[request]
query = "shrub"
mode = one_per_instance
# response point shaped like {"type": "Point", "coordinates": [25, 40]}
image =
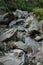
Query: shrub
{"type": "Point", "coordinates": [38, 12]}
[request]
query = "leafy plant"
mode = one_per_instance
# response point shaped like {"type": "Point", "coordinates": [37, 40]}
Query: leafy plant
{"type": "Point", "coordinates": [38, 12]}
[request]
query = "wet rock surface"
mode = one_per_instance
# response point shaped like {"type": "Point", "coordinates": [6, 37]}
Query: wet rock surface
{"type": "Point", "coordinates": [21, 39]}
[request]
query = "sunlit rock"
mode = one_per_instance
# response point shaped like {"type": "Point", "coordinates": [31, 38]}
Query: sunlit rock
{"type": "Point", "coordinates": [38, 38]}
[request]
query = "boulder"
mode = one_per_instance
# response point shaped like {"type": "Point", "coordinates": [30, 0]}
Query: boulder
{"type": "Point", "coordinates": [6, 34]}
{"type": "Point", "coordinates": [38, 38]}
{"type": "Point", "coordinates": [16, 22]}
{"type": "Point", "coordinates": [21, 14]}
{"type": "Point", "coordinates": [41, 26]}
{"type": "Point", "coordinates": [12, 23]}
{"type": "Point", "coordinates": [21, 35]}
{"type": "Point", "coordinates": [28, 20]}
{"type": "Point", "coordinates": [10, 60]}
{"type": "Point", "coordinates": [20, 45]}
{"type": "Point", "coordinates": [6, 18]}
{"type": "Point", "coordinates": [21, 28]}
{"type": "Point", "coordinates": [33, 29]}
{"type": "Point", "coordinates": [20, 21]}
{"type": "Point", "coordinates": [32, 43]}
{"type": "Point", "coordinates": [16, 57]}
{"type": "Point", "coordinates": [34, 25]}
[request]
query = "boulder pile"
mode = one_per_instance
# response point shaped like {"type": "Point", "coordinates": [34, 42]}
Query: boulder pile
{"type": "Point", "coordinates": [21, 39]}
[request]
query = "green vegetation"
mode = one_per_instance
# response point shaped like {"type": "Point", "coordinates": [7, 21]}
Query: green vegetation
{"type": "Point", "coordinates": [30, 5]}
{"type": "Point", "coordinates": [39, 13]}
{"type": "Point", "coordinates": [21, 4]}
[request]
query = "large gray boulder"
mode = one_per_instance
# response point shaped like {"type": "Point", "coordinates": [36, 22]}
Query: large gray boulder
{"type": "Point", "coordinates": [21, 14]}
{"type": "Point", "coordinates": [17, 57]}
{"type": "Point", "coordinates": [32, 44]}
{"type": "Point", "coordinates": [7, 34]}
{"type": "Point", "coordinates": [20, 45]}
